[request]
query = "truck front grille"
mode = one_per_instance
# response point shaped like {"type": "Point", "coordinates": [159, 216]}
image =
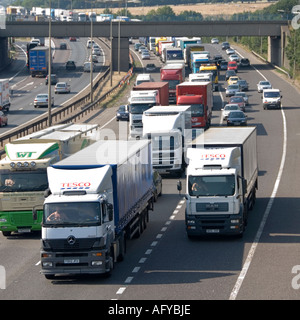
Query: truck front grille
{"type": "Point", "coordinates": [212, 207]}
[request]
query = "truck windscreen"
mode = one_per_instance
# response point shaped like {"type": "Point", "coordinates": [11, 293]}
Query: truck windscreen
{"type": "Point", "coordinates": [18, 181]}
{"type": "Point", "coordinates": [219, 185]}
{"type": "Point", "coordinates": [139, 108]}
{"type": "Point", "coordinates": [72, 213]}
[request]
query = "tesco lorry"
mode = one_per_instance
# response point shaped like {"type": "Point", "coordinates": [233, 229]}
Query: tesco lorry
{"type": "Point", "coordinates": [98, 198]}
{"type": "Point", "coordinates": [221, 181]}
{"type": "Point", "coordinates": [199, 96]}
{"type": "Point", "coordinates": [173, 74]}
{"type": "Point", "coordinates": [23, 176]}
{"type": "Point", "coordinates": [4, 95]}
{"type": "Point", "coordinates": [169, 129]}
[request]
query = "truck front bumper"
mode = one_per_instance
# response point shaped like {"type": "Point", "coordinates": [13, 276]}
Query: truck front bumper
{"type": "Point", "coordinates": [81, 262]}
{"type": "Point", "coordinates": [224, 224]}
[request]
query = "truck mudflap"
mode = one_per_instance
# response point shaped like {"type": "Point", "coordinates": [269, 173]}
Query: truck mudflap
{"type": "Point", "coordinates": [223, 224]}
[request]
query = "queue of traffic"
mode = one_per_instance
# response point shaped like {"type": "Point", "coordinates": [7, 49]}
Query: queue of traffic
{"type": "Point", "coordinates": [100, 195]}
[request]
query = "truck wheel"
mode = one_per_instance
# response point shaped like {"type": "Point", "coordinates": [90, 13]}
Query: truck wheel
{"type": "Point", "coordinates": [122, 247]}
{"type": "Point", "coordinates": [110, 262]}
{"type": "Point", "coordinates": [6, 233]}
{"type": "Point", "coordinates": [50, 276]}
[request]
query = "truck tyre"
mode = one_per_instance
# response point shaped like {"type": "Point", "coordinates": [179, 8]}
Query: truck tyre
{"type": "Point", "coordinates": [49, 276]}
{"type": "Point", "coordinates": [6, 233]}
{"type": "Point", "coordinates": [110, 262]}
{"type": "Point", "coordinates": [122, 248]}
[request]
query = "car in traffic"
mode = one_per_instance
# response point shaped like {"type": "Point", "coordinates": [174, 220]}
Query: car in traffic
{"type": "Point", "coordinates": [141, 48]}
{"type": "Point", "coordinates": [232, 89]}
{"type": "Point", "coordinates": [94, 58]}
{"type": "Point", "coordinates": [87, 66]}
{"type": "Point", "coordinates": [41, 100]}
{"type": "Point", "coordinates": [89, 43]}
{"type": "Point", "coordinates": [230, 51]}
{"type": "Point", "coordinates": [225, 45]}
{"type": "Point", "coordinates": [244, 95]}
{"type": "Point", "coordinates": [3, 119]}
{"type": "Point", "coordinates": [243, 85]}
{"type": "Point", "coordinates": [239, 101]}
{"type": "Point", "coordinates": [233, 79]}
{"type": "Point", "coordinates": [72, 39]}
{"type": "Point", "coordinates": [63, 46]}
{"type": "Point", "coordinates": [145, 55]}
{"type": "Point", "coordinates": [232, 65]}
{"type": "Point", "coordinates": [237, 118]}
{"type": "Point", "coordinates": [234, 57]}
{"type": "Point", "coordinates": [228, 108]}
{"type": "Point", "coordinates": [96, 51]}
{"type": "Point", "coordinates": [157, 185]}
{"type": "Point", "coordinates": [53, 79]}
{"type": "Point", "coordinates": [262, 85]}
{"type": "Point", "coordinates": [62, 87]}
{"type": "Point", "coordinates": [150, 67]}
{"type": "Point", "coordinates": [214, 41]}
{"type": "Point", "coordinates": [223, 65]}
{"type": "Point", "coordinates": [244, 62]}
{"type": "Point", "coordinates": [229, 73]}
{"type": "Point", "coordinates": [70, 65]}
{"type": "Point", "coordinates": [122, 113]}
{"type": "Point", "coordinates": [137, 46]}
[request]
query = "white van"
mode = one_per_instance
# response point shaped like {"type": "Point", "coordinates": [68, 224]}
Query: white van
{"type": "Point", "coordinates": [144, 77]}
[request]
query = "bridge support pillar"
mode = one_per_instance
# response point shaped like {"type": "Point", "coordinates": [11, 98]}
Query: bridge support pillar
{"type": "Point", "coordinates": [124, 54]}
{"type": "Point", "coordinates": [274, 50]}
{"type": "Point", "coordinates": [4, 59]}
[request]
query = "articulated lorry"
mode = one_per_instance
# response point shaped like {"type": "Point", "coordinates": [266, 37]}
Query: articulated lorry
{"type": "Point", "coordinates": [139, 101]}
{"type": "Point", "coordinates": [172, 55]}
{"type": "Point", "coordinates": [199, 96]}
{"type": "Point", "coordinates": [23, 176]}
{"type": "Point", "coordinates": [39, 61]}
{"type": "Point", "coordinates": [4, 95]}
{"type": "Point", "coordinates": [99, 197]}
{"type": "Point", "coordinates": [189, 48]}
{"type": "Point", "coordinates": [221, 181]}
{"type": "Point", "coordinates": [169, 129]}
{"type": "Point", "coordinates": [173, 74]}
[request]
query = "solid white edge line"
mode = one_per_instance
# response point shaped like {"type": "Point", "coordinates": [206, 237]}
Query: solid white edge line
{"type": "Point", "coordinates": [252, 250]}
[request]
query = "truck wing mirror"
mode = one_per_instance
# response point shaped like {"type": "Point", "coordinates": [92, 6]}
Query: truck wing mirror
{"type": "Point", "coordinates": [110, 211]}
{"type": "Point", "coordinates": [34, 212]}
{"type": "Point", "coordinates": [47, 193]}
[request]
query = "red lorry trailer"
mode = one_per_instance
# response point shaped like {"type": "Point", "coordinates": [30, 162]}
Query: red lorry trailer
{"type": "Point", "coordinates": [162, 87]}
{"type": "Point", "coordinates": [199, 96]}
{"type": "Point", "coordinates": [174, 74]}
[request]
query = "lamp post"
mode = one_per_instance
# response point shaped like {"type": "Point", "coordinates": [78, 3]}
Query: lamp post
{"type": "Point", "coordinates": [49, 72]}
{"type": "Point", "coordinates": [91, 58]}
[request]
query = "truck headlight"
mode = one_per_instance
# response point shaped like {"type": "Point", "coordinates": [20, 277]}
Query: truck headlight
{"type": "Point", "coordinates": [96, 263]}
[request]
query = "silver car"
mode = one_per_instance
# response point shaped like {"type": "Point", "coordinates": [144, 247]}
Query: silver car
{"type": "Point", "coordinates": [228, 108]}
{"type": "Point", "coordinates": [62, 87]}
{"type": "Point", "coordinates": [262, 85]}
{"type": "Point", "coordinates": [41, 100]}
{"type": "Point", "coordinates": [232, 89]}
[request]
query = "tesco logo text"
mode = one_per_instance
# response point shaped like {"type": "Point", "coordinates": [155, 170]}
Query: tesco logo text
{"type": "Point", "coordinates": [213, 156]}
{"type": "Point", "coordinates": [75, 184]}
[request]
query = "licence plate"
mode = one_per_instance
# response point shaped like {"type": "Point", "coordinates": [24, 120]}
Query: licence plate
{"type": "Point", "coordinates": [71, 261]}
{"type": "Point", "coordinates": [237, 123]}
{"type": "Point", "coordinates": [24, 230]}
{"type": "Point", "coordinates": [212, 230]}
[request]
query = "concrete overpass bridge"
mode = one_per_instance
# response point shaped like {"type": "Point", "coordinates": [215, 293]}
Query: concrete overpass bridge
{"type": "Point", "coordinates": [275, 30]}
